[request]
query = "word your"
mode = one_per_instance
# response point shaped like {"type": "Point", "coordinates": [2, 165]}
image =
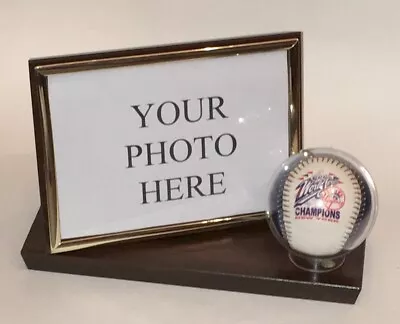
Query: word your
{"type": "Point", "coordinates": [169, 112]}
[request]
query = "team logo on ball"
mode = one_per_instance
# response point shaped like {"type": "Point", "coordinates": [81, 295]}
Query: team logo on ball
{"type": "Point", "coordinates": [319, 196]}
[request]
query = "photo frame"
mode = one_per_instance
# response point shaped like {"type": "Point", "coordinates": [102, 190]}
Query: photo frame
{"type": "Point", "coordinates": [122, 156]}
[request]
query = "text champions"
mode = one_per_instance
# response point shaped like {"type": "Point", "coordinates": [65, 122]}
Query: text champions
{"type": "Point", "coordinates": [181, 150]}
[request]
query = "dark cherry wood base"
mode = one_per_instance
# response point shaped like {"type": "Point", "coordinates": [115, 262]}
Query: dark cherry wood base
{"type": "Point", "coordinates": [245, 259]}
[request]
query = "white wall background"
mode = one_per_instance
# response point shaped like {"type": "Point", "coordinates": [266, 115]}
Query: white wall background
{"type": "Point", "coordinates": [352, 68]}
{"type": "Point", "coordinates": [351, 51]}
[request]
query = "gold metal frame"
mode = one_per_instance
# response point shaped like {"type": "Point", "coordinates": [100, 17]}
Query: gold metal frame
{"type": "Point", "coordinates": [42, 67]}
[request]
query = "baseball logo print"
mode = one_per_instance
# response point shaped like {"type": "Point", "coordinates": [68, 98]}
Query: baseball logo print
{"type": "Point", "coordinates": [319, 196]}
{"type": "Point", "coordinates": [333, 198]}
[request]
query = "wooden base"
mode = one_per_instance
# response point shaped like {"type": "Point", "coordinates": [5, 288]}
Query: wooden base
{"type": "Point", "coordinates": [244, 259]}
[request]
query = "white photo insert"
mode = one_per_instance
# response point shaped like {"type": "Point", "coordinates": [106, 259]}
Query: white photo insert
{"type": "Point", "coordinates": [167, 143]}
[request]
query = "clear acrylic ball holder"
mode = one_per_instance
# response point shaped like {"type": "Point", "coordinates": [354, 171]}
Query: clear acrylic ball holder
{"type": "Point", "coordinates": [365, 219]}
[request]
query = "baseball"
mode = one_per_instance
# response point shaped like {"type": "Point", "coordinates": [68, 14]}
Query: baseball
{"type": "Point", "coordinates": [321, 201]}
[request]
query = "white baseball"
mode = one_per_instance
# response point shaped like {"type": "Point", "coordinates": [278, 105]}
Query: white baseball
{"type": "Point", "coordinates": [321, 202]}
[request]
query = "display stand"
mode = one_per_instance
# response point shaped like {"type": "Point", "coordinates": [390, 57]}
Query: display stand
{"type": "Point", "coordinates": [244, 259]}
